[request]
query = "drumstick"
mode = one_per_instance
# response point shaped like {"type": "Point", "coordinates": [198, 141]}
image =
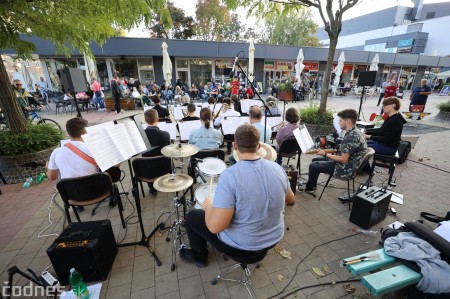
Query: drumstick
{"type": "Point", "coordinates": [210, 187]}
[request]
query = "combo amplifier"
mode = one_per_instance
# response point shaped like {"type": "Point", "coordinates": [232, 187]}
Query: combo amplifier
{"type": "Point", "coordinates": [370, 207]}
{"type": "Point", "coordinates": [89, 247]}
{"type": "Point", "coordinates": [292, 174]}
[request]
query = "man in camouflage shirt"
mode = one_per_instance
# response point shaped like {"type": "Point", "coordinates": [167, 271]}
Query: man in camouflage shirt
{"type": "Point", "coordinates": [346, 161]}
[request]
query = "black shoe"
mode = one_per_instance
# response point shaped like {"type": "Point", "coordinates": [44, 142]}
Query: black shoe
{"type": "Point", "coordinates": [112, 202]}
{"type": "Point", "coordinates": [344, 199]}
{"type": "Point", "coordinates": [306, 189]}
{"type": "Point", "coordinates": [79, 208]}
{"type": "Point", "coordinates": [187, 255]}
{"type": "Point", "coordinates": [153, 192]}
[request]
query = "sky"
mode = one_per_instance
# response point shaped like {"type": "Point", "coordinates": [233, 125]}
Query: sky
{"type": "Point", "coordinates": [362, 8]}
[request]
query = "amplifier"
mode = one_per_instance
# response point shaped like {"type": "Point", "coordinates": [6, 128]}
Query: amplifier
{"type": "Point", "coordinates": [89, 247]}
{"type": "Point", "coordinates": [292, 174]}
{"type": "Point", "coordinates": [370, 207]}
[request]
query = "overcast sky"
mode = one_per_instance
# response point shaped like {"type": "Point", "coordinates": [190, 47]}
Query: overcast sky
{"type": "Point", "coordinates": [364, 7]}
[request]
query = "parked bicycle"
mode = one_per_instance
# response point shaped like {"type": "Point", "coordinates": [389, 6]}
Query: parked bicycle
{"type": "Point", "coordinates": [36, 119]}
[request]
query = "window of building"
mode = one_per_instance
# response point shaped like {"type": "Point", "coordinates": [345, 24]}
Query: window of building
{"type": "Point", "coordinates": [102, 73]}
{"type": "Point", "coordinates": [417, 27]}
{"type": "Point", "coordinates": [201, 70]}
{"type": "Point", "coordinates": [124, 67]}
{"type": "Point", "coordinates": [182, 63]}
{"type": "Point", "coordinates": [146, 72]}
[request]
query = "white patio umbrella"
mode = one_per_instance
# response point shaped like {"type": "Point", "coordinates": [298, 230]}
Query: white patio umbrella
{"type": "Point", "coordinates": [339, 68]}
{"type": "Point", "coordinates": [91, 68]}
{"type": "Point", "coordinates": [167, 65]}
{"type": "Point", "coordinates": [28, 81]}
{"type": "Point", "coordinates": [374, 63]}
{"type": "Point", "coordinates": [299, 66]}
{"type": "Point", "coordinates": [251, 61]}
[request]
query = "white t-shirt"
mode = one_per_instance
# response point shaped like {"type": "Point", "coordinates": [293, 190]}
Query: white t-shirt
{"type": "Point", "coordinates": [69, 164]}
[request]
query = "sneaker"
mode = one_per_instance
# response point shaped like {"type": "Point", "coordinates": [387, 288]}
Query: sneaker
{"type": "Point", "coordinates": [100, 109]}
{"type": "Point", "coordinates": [306, 189]}
{"type": "Point", "coordinates": [79, 208]}
{"type": "Point", "coordinates": [344, 199]}
{"type": "Point", "coordinates": [187, 255]}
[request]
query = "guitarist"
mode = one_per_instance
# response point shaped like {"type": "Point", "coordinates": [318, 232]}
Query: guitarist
{"type": "Point", "coordinates": [74, 158]}
{"type": "Point", "coordinates": [346, 161]}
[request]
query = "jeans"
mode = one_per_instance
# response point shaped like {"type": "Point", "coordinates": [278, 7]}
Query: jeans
{"type": "Point", "coordinates": [99, 101]}
{"type": "Point", "coordinates": [202, 97]}
{"type": "Point", "coordinates": [318, 166]}
{"type": "Point", "coordinates": [381, 148]}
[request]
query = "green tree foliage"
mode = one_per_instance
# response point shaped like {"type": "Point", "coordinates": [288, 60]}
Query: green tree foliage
{"type": "Point", "coordinates": [183, 27]}
{"type": "Point", "coordinates": [330, 12]}
{"type": "Point", "coordinates": [69, 24]}
{"type": "Point", "coordinates": [212, 20]}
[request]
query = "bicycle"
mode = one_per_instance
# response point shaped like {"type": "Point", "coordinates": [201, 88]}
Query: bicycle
{"type": "Point", "coordinates": [39, 120]}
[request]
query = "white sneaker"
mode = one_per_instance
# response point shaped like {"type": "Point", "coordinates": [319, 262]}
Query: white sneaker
{"type": "Point", "coordinates": [121, 112]}
{"type": "Point", "coordinates": [100, 109]}
{"type": "Point", "coordinates": [104, 109]}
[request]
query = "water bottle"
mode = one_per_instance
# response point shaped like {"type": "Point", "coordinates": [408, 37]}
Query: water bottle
{"type": "Point", "coordinates": [40, 178]}
{"type": "Point", "coordinates": [370, 233]}
{"type": "Point", "coordinates": [79, 287]}
{"type": "Point", "coordinates": [27, 183]}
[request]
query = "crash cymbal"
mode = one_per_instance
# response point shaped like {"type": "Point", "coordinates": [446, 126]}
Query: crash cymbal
{"type": "Point", "coordinates": [266, 151]}
{"type": "Point", "coordinates": [179, 150]}
{"type": "Point", "coordinates": [173, 182]}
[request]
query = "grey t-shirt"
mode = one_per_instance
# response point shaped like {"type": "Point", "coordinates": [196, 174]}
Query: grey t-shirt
{"type": "Point", "coordinates": [257, 190]}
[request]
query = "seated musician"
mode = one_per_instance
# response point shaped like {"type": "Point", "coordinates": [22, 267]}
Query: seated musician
{"type": "Point", "coordinates": [292, 118]}
{"type": "Point", "coordinates": [162, 111]}
{"type": "Point", "coordinates": [246, 212]}
{"type": "Point", "coordinates": [206, 137]}
{"type": "Point", "coordinates": [236, 103]}
{"type": "Point", "coordinates": [74, 158]}
{"type": "Point", "coordinates": [157, 138]}
{"type": "Point", "coordinates": [227, 111]}
{"type": "Point", "coordinates": [386, 139]}
{"type": "Point", "coordinates": [191, 113]}
{"type": "Point", "coordinates": [345, 162]}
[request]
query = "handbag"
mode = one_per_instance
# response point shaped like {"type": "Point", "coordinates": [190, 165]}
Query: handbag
{"type": "Point", "coordinates": [434, 218]}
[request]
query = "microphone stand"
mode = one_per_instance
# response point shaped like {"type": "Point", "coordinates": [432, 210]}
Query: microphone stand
{"type": "Point", "coordinates": [361, 101]}
{"type": "Point", "coordinates": [259, 98]}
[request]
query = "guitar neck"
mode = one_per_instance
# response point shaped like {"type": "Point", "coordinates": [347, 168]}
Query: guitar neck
{"type": "Point", "coordinates": [315, 151]}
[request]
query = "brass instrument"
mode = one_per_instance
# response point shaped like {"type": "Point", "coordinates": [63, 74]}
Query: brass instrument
{"type": "Point", "coordinates": [185, 112]}
{"type": "Point", "coordinates": [224, 108]}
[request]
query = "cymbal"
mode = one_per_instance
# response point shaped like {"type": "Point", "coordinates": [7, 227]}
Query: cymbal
{"type": "Point", "coordinates": [266, 151]}
{"type": "Point", "coordinates": [179, 150]}
{"type": "Point", "coordinates": [173, 182]}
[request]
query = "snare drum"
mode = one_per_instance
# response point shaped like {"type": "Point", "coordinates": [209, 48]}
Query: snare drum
{"type": "Point", "coordinates": [201, 193]}
{"type": "Point", "coordinates": [212, 166]}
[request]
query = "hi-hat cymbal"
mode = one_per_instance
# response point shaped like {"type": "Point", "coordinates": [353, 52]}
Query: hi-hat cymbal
{"type": "Point", "coordinates": [177, 151]}
{"type": "Point", "coordinates": [173, 182]}
{"type": "Point", "coordinates": [266, 151]}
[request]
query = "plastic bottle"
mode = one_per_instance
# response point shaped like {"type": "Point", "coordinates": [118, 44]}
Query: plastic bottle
{"type": "Point", "coordinates": [27, 183]}
{"type": "Point", "coordinates": [40, 177]}
{"type": "Point", "coordinates": [370, 233]}
{"type": "Point", "coordinates": [79, 287]}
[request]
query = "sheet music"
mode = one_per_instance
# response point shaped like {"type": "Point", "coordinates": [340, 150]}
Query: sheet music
{"type": "Point", "coordinates": [246, 104]}
{"type": "Point", "coordinates": [135, 136]}
{"type": "Point", "coordinates": [148, 108]}
{"type": "Point", "coordinates": [169, 127]}
{"type": "Point", "coordinates": [230, 123]}
{"type": "Point", "coordinates": [273, 121]}
{"type": "Point", "coordinates": [178, 114]}
{"type": "Point", "coordinates": [216, 109]}
{"type": "Point", "coordinates": [336, 125]}
{"type": "Point", "coordinates": [99, 127]}
{"type": "Point", "coordinates": [303, 138]}
{"type": "Point", "coordinates": [186, 128]}
{"type": "Point", "coordinates": [123, 142]}
{"type": "Point", "coordinates": [103, 149]}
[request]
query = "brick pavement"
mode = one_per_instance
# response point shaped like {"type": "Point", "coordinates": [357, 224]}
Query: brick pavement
{"type": "Point", "coordinates": [423, 180]}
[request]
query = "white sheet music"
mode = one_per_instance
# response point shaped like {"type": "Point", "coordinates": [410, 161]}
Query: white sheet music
{"type": "Point", "coordinates": [246, 104]}
{"type": "Point", "coordinates": [103, 149]}
{"type": "Point", "coordinates": [186, 127]}
{"type": "Point", "coordinates": [135, 136]}
{"type": "Point", "coordinates": [215, 109]}
{"type": "Point", "coordinates": [178, 114]}
{"type": "Point", "coordinates": [303, 138]}
{"type": "Point", "coordinates": [273, 121]}
{"type": "Point", "coordinates": [230, 124]}
{"type": "Point", "coordinates": [99, 127]}
{"type": "Point", "coordinates": [169, 127]}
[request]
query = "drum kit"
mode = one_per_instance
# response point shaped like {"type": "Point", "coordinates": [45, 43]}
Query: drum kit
{"type": "Point", "coordinates": [208, 169]}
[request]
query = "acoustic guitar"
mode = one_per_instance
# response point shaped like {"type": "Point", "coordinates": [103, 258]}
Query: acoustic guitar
{"type": "Point", "coordinates": [316, 150]}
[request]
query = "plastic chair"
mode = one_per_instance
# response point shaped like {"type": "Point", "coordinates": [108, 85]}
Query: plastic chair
{"type": "Point", "coordinates": [289, 148]}
{"type": "Point", "coordinates": [369, 154]}
{"type": "Point", "coordinates": [88, 190]}
{"type": "Point", "coordinates": [148, 169]}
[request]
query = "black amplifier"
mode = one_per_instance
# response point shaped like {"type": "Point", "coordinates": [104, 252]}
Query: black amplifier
{"type": "Point", "coordinates": [292, 174]}
{"type": "Point", "coordinates": [370, 207]}
{"type": "Point", "coordinates": [89, 247]}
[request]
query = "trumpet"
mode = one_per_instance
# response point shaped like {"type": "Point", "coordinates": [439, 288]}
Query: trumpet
{"type": "Point", "coordinates": [279, 126]}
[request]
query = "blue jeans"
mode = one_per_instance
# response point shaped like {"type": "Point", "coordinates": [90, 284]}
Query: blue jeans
{"type": "Point", "coordinates": [98, 100]}
{"type": "Point", "coordinates": [381, 148]}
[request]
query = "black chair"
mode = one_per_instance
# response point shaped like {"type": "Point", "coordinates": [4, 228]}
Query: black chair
{"type": "Point", "coordinates": [148, 169]}
{"type": "Point", "coordinates": [369, 154]}
{"type": "Point", "coordinates": [243, 263]}
{"type": "Point", "coordinates": [289, 148]}
{"type": "Point", "coordinates": [88, 190]}
{"type": "Point", "coordinates": [44, 101]}
{"type": "Point", "coordinates": [385, 161]}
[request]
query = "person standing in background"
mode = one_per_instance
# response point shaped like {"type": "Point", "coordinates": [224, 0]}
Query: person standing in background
{"type": "Point", "coordinates": [115, 89]}
{"type": "Point", "coordinates": [383, 88]}
{"type": "Point", "coordinates": [389, 91]}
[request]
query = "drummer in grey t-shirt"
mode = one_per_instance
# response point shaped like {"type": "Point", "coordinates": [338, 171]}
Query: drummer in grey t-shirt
{"type": "Point", "coordinates": [246, 213]}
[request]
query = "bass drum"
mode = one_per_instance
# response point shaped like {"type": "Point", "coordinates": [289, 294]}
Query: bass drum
{"type": "Point", "coordinates": [201, 193]}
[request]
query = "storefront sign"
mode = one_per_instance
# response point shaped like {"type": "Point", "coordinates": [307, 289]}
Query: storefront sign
{"type": "Point", "coordinates": [311, 66]}
{"type": "Point", "coordinates": [405, 43]}
{"type": "Point", "coordinates": [269, 65]}
{"type": "Point", "coordinates": [404, 50]}
{"type": "Point", "coordinates": [284, 66]}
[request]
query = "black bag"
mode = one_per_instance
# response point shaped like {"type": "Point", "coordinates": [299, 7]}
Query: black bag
{"type": "Point", "coordinates": [403, 151]}
{"type": "Point", "coordinates": [434, 218]}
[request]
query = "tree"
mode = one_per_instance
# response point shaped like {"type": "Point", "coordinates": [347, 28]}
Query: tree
{"type": "Point", "coordinates": [330, 12]}
{"type": "Point", "coordinates": [69, 24]}
{"type": "Point", "coordinates": [212, 17]}
{"type": "Point", "coordinates": [183, 27]}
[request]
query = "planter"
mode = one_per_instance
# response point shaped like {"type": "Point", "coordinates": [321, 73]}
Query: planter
{"type": "Point", "coordinates": [442, 116]}
{"type": "Point", "coordinates": [13, 171]}
{"type": "Point", "coordinates": [319, 130]}
{"type": "Point", "coordinates": [285, 95]}
{"type": "Point", "coordinates": [125, 104]}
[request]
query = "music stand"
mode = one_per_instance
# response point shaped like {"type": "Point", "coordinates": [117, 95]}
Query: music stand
{"type": "Point", "coordinates": [365, 79]}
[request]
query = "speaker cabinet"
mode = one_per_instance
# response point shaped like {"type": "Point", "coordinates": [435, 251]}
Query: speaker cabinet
{"type": "Point", "coordinates": [292, 174]}
{"type": "Point", "coordinates": [89, 247]}
{"type": "Point", "coordinates": [72, 80]}
{"type": "Point", "coordinates": [370, 207]}
{"type": "Point", "coordinates": [367, 78]}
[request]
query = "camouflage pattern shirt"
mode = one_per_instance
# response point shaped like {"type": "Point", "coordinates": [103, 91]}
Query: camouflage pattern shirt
{"type": "Point", "coordinates": [354, 144]}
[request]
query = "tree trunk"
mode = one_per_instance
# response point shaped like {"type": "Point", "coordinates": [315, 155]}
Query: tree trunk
{"type": "Point", "coordinates": [10, 106]}
{"type": "Point", "coordinates": [327, 76]}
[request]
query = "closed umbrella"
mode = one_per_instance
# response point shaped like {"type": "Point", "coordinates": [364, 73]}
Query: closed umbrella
{"type": "Point", "coordinates": [339, 68]}
{"type": "Point", "coordinates": [251, 61]}
{"type": "Point", "coordinates": [299, 66]}
{"type": "Point", "coordinates": [374, 64]}
{"type": "Point", "coordinates": [28, 82]}
{"type": "Point", "coordinates": [91, 69]}
{"type": "Point", "coordinates": [167, 65]}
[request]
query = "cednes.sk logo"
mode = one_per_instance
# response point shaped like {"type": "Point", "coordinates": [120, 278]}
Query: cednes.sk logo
{"type": "Point", "coordinates": [30, 291]}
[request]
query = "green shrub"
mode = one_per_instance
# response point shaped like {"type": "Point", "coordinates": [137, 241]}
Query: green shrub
{"type": "Point", "coordinates": [444, 107]}
{"type": "Point", "coordinates": [36, 139]}
{"type": "Point", "coordinates": [310, 115]}
{"type": "Point", "coordinates": [285, 86]}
